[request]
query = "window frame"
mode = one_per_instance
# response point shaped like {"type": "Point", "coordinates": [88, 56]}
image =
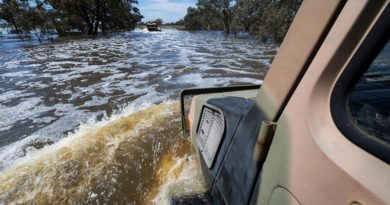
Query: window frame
{"type": "Point", "coordinates": [371, 46]}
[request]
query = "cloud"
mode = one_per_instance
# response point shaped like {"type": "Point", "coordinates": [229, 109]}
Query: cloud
{"type": "Point", "coordinates": [168, 10]}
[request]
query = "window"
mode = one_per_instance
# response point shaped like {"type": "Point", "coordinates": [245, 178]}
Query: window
{"type": "Point", "coordinates": [369, 102]}
{"type": "Point", "coordinates": [360, 99]}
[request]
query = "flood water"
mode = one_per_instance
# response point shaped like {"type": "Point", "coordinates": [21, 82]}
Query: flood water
{"type": "Point", "coordinates": [97, 120]}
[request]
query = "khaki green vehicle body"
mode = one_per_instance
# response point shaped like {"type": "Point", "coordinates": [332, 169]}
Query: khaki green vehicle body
{"type": "Point", "coordinates": [309, 160]}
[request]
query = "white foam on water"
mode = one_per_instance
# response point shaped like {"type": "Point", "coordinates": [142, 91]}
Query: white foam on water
{"type": "Point", "coordinates": [139, 66]}
{"type": "Point", "coordinates": [43, 120]}
{"type": "Point", "coordinates": [136, 68]}
{"type": "Point", "coordinates": [13, 154]}
{"type": "Point", "coordinates": [12, 64]}
{"type": "Point", "coordinates": [12, 94]}
{"type": "Point", "coordinates": [17, 150]}
{"type": "Point", "coordinates": [18, 73]}
{"type": "Point", "coordinates": [182, 177]}
{"type": "Point", "coordinates": [23, 110]}
{"type": "Point", "coordinates": [188, 181]}
{"type": "Point", "coordinates": [198, 80]}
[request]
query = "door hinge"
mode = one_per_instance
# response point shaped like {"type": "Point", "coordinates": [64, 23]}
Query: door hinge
{"type": "Point", "coordinates": [263, 141]}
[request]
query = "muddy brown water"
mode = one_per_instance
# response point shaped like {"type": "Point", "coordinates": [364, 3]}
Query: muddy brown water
{"type": "Point", "coordinates": [86, 121]}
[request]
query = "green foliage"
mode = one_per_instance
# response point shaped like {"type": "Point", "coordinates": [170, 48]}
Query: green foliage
{"type": "Point", "coordinates": [95, 15]}
{"type": "Point", "coordinates": [274, 19]}
{"type": "Point", "coordinates": [69, 16]}
{"type": "Point", "coordinates": [201, 19]}
{"type": "Point", "coordinates": [245, 12]}
{"type": "Point", "coordinates": [179, 22]}
{"type": "Point", "coordinates": [267, 19]}
{"type": "Point", "coordinates": [9, 10]}
{"type": "Point", "coordinates": [221, 9]}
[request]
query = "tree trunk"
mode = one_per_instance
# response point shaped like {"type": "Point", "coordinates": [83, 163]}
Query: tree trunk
{"type": "Point", "coordinates": [98, 17]}
{"type": "Point", "coordinates": [90, 28]}
{"type": "Point", "coordinates": [95, 31]}
{"type": "Point", "coordinates": [226, 22]}
{"type": "Point", "coordinates": [247, 26]}
{"type": "Point", "coordinates": [17, 29]}
{"type": "Point", "coordinates": [83, 12]}
{"type": "Point", "coordinates": [227, 29]}
{"type": "Point", "coordinates": [103, 26]}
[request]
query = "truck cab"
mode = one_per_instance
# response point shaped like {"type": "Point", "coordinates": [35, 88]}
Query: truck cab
{"type": "Point", "coordinates": [317, 130]}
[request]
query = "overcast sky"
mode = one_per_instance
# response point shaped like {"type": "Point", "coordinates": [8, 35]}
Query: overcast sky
{"type": "Point", "coordinates": [167, 10]}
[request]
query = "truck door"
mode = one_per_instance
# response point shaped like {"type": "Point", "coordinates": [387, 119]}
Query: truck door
{"type": "Point", "coordinates": [331, 144]}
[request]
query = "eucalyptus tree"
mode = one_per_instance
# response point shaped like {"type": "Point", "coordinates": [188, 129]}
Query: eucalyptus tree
{"type": "Point", "coordinates": [222, 9]}
{"type": "Point", "coordinates": [274, 19]}
{"type": "Point", "coordinates": [201, 18]}
{"type": "Point", "coordinates": [266, 19]}
{"type": "Point", "coordinates": [245, 12]}
{"type": "Point", "coordinates": [9, 12]}
{"type": "Point", "coordinates": [90, 16]}
{"type": "Point", "coordinates": [66, 16]}
{"type": "Point", "coordinates": [22, 17]}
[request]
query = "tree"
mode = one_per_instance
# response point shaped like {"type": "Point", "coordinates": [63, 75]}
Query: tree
{"type": "Point", "coordinates": [64, 16]}
{"type": "Point", "coordinates": [119, 15]}
{"type": "Point", "coordinates": [179, 22]}
{"type": "Point", "coordinates": [68, 10]}
{"type": "Point", "coordinates": [223, 9]}
{"type": "Point", "coordinates": [9, 11]}
{"type": "Point", "coordinates": [274, 19]}
{"type": "Point", "coordinates": [267, 19]}
{"type": "Point", "coordinates": [22, 17]}
{"type": "Point", "coordinates": [202, 18]}
{"type": "Point", "coordinates": [244, 13]}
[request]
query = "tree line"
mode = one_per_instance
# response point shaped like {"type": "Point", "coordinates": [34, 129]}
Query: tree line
{"type": "Point", "coordinates": [267, 19]}
{"type": "Point", "coordinates": [69, 16]}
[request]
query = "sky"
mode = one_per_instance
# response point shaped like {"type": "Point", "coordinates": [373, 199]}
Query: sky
{"type": "Point", "coordinates": [168, 10]}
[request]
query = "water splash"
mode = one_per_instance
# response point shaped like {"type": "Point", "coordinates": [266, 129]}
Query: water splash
{"type": "Point", "coordinates": [134, 157]}
{"type": "Point", "coordinates": [131, 158]}
{"type": "Point", "coordinates": [49, 89]}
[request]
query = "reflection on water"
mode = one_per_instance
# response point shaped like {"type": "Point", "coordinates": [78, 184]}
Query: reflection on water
{"type": "Point", "coordinates": [48, 90]}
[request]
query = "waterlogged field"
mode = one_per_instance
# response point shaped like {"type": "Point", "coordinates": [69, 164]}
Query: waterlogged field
{"type": "Point", "coordinates": [79, 120]}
